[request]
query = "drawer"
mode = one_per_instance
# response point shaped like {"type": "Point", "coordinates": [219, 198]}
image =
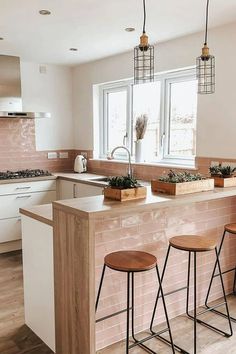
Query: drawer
{"type": "Point", "coordinates": [10, 204]}
{"type": "Point", "coordinates": [25, 187]}
{"type": "Point", "coordinates": [10, 230]}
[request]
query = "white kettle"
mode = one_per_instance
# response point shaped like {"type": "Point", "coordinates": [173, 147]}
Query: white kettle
{"type": "Point", "coordinates": [80, 164]}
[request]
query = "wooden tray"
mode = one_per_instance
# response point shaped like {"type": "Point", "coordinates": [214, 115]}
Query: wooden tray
{"type": "Point", "coordinates": [225, 182]}
{"type": "Point", "coordinates": [182, 188]}
{"type": "Point", "coordinates": [125, 194]}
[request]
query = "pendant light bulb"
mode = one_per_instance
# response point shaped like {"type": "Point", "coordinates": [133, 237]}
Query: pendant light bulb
{"type": "Point", "coordinates": [144, 56]}
{"type": "Point", "coordinates": [205, 65]}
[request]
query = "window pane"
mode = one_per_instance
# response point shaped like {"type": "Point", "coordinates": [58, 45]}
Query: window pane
{"type": "Point", "coordinates": [116, 116]}
{"type": "Point", "coordinates": [183, 113]}
{"type": "Point", "coordinates": [146, 100]}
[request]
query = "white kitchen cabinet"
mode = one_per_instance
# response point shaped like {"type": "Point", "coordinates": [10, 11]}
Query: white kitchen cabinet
{"type": "Point", "coordinates": [37, 245]}
{"type": "Point", "coordinates": [10, 229]}
{"type": "Point", "coordinates": [14, 196]}
{"type": "Point", "coordinates": [69, 190]}
{"type": "Point", "coordinates": [10, 204]}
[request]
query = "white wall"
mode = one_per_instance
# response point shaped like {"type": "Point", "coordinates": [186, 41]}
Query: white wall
{"type": "Point", "coordinates": [50, 92]}
{"type": "Point", "coordinates": [216, 121]}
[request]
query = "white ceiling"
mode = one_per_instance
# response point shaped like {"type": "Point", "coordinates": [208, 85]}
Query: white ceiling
{"type": "Point", "coordinates": [97, 27]}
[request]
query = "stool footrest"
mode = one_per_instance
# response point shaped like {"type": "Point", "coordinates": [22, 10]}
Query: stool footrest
{"type": "Point", "coordinates": [221, 313]}
{"type": "Point", "coordinates": [227, 335]}
{"type": "Point", "coordinates": [141, 341]}
{"type": "Point", "coordinates": [225, 272]}
{"type": "Point", "coordinates": [210, 308]}
{"type": "Point", "coordinates": [166, 341]}
{"type": "Point", "coordinates": [112, 315]}
{"type": "Point", "coordinates": [173, 292]}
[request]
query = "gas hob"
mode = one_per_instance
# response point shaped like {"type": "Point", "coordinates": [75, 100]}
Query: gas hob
{"type": "Point", "coordinates": [23, 174]}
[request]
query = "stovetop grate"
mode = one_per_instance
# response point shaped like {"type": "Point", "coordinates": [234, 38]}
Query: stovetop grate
{"type": "Point", "coordinates": [23, 174]}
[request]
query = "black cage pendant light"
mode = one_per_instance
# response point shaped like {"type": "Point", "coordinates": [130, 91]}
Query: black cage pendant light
{"type": "Point", "coordinates": [144, 57]}
{"type": "Point", "coordinates": [206, 65]}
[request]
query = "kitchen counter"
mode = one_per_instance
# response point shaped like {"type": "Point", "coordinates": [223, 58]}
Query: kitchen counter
{"type": "Point", "coordinates": [87, 229]}
{"type": "Point", "coordinates": [42, 213]}
{"type": "Point", "coordinates": [97, 205]}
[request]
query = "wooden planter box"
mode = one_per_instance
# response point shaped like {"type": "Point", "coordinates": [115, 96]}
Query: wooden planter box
{"type": "Point", "coordinates": [225, 182]}
{"type": "Point", "coordinates": [183, 188]}
{"type": "Point", "coordinates": [125, 194]}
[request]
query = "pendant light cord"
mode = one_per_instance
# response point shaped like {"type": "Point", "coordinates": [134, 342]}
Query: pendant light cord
{"type": "Point", "coordinates": [207, 16]}
{"type": "Point", "coordinates": [144, 16]}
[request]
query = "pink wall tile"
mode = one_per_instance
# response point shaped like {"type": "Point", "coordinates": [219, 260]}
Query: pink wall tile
{"type": "Point", "coordinates": [150, 231]}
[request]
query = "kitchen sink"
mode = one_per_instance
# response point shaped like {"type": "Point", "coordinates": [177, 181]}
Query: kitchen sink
{"type": "Point", "coordinates": [99, 179]}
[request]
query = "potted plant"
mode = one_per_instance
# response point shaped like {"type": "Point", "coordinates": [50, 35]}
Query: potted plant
{"type": "Point", "coordinates": [176, 183]}
{"type": "Point", "coordinates": [124, 188]}
{"type": "Point", "coordinates": [224, 176]}
{"type": "Point", "coordinates": [140, 130]}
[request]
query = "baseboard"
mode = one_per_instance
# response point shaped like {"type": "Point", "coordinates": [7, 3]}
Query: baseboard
{"type": "Point", "coordinates": [10, 246]}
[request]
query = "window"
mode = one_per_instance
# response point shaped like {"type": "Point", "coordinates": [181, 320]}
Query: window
{"type": "Point", "coordinates": [170, 103]}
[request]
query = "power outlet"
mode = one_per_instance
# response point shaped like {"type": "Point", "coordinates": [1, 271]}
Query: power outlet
{"type": "Point", "coordinates": [63, 155]}
{"type": "Point", "coordinates": [52, 155]}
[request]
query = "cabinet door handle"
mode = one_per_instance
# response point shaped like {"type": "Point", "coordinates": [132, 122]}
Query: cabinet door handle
{"type": "Point", "coordinates": [19, 188]}
{"type": "Point", "coordinates": [74, 190]}
{"type": "Point", "coordinates": [23, 196]}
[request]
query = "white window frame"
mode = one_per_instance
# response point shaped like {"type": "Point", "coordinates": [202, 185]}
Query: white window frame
{"type": "Point", "coordinates": [104, 92]}
{"type": "Point", "coordinates": [166, 80]}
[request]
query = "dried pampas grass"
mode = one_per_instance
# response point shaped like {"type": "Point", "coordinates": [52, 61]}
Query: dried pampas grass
{"type": "Point", "coordinates": [141, 126]}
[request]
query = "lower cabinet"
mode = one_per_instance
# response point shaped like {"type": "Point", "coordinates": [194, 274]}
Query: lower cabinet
{"type": "Point", "coordinates": [69, 190]}
{"type": "Point", "coordinates": [10, 229]}
{"type": "Point", "coordinates": [14, 196]}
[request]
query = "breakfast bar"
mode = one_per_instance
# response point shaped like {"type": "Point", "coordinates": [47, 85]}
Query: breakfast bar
{"type": "Point", "coordinates": [86, 229]}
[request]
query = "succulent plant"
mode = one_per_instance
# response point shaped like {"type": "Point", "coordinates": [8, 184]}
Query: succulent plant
{"type": "Point", "coordinates": [180, 177]}
{"type": "Point", "coordinates": [123, 182]}
{"type": "Point", "coordinates": [222, 171]}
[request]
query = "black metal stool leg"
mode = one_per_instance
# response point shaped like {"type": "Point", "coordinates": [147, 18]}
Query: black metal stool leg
{"type": "Point", "coordinates": [214, 270]}
{"type": "Point", "coordinates": [100, 287]}
{"type": "Point", "coordinates": [213, 308]}
{"type": "Point", "coordinates": [211, 281]}
{"type": "Point", "coordinates": [195, 302]}
{"type": "Point", "coordinates": [234, 289]}
{"type": "Point", "coordinates": [224, 294]}
{"type": "Point", "coordinates": [160, 294]}
{"type": "Point", "coordinates": [128, 312]}
{"type": "Point", "coordinates": [165, 309]}
{"type": "Point", "coordinates": [159, 290]}
{"type": "Point", "coordinates": [188, 283]}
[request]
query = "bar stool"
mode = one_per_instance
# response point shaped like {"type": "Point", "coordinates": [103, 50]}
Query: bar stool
{"type": "Point", "coordinates": [230, 229]}
{"type": "Point", "coordinates": [132, 262]}
{"type": "Point", "coordinates": [193, 244]}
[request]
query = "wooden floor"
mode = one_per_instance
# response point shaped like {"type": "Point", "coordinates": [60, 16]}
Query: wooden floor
{"type": "Point", "coordinates": [16, 338]}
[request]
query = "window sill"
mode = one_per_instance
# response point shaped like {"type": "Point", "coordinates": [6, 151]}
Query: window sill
{"type": "Point", "coordinates": [190, 166]}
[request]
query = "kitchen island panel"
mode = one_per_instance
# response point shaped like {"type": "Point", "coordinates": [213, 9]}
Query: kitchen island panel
{"type": "Point", "coordinates": [147, 229]}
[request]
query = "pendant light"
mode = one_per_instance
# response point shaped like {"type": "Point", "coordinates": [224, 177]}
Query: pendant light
{"type": "Point", "coordinates": [206, 65]}
{"type": "Point", "coordinates": [144, 57]}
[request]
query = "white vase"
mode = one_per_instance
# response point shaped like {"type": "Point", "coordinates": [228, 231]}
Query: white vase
{"type": "Point", "coordinates": [139, 150]}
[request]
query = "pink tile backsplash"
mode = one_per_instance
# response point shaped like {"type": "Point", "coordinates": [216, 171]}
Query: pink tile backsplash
{"type": "Point", "coordinates": [18, 151]}
{"type": "Point", "coordinates": [150, 231]}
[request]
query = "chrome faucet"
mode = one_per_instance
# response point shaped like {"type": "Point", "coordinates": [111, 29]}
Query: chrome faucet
{"type": "Point", "coordinates": [130, 174]}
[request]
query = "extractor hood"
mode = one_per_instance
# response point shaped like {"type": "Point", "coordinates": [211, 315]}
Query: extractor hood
{"type": "Point", "coordinates": [10, 90]}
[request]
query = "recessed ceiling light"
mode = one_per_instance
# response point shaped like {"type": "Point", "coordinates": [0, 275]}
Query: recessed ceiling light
{"type": "Point", "coordinates": [74, 49]}
{"type": "Point", "coordinates": [130, 29]}
{"type": "Point", "coordinates": [45, 12]}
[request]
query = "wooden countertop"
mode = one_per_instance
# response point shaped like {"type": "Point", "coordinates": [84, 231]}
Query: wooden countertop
{"type": "Point", "coordinates": [92, 206]}
{"type": "Point", "coordinates": [42, 213]}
